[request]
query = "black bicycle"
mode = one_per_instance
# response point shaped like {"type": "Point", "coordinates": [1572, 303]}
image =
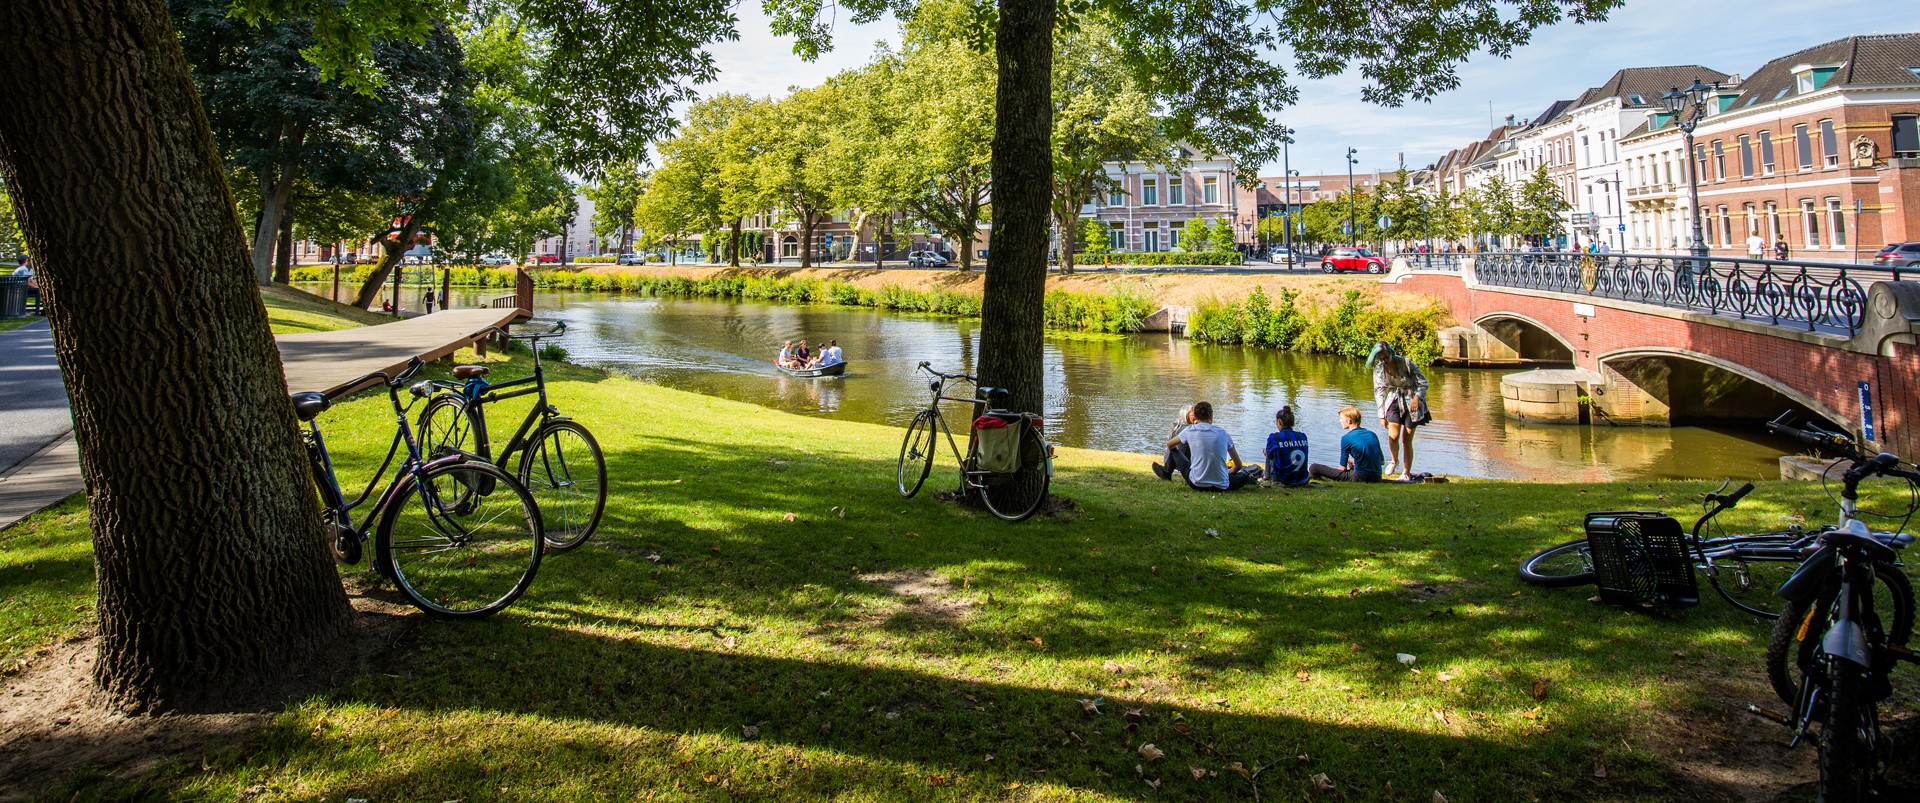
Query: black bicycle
{"type": "Point", "coordinates": [1008, 464]}
{"type": "Point", "coordinates": [560, 462]}
{"type": "Point", "coordinates": [1847, 619]}
{"type": "Point", "coordinates": [468, 552]}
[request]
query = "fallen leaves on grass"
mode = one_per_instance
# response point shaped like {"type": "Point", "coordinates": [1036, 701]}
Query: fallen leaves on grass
{"type": "Point", "coordinates": [1322, 782]}
{"type": "Point", "coordinates": [1540, 687]}
{"type": "Point", "coordinates": [788, 517]}
{"type": "Point", "coordinates": [1439, 798]}
{"type": "Point", "coordinates": [1151, 753]}
{"type": "Point", "coordinates": [1198, 772]}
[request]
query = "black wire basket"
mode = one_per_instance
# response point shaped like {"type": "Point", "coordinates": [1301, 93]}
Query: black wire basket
{"type": "Point", "coordinates": [1641, 559]}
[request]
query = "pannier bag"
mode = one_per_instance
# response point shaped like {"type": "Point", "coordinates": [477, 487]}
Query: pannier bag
{"type": "Point", "coordinates": [997, 442]}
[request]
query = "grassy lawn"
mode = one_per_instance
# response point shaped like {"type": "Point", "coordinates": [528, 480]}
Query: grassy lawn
{"type": "Point", "coordinates": [762, 617]}
{"type": "Point", "coordinates": [291, 311]}
{"type": "Point", "coordinates": [10, 324]}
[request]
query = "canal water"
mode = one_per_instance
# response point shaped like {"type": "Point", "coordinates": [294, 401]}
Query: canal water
{"type": "Point", "coordinates": [1117, 393]}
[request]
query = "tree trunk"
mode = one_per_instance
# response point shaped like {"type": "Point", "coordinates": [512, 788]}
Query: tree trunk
{"type": "Point", "coordinates": [212, 570]}
{"type": "Point", "coordinates": [276, 188]}
{"type": "Point", "coordinates": [806, 240]}
{"type": "Point", "coordinates": [370, 290]}
{"type": "Point", "coordinates": [1067, 239]}
{"type": "Point", "coordinates": [283, 255]}
{"type": "Point", "coordinates": [733, 244]}
{"type": "Point", "coordinates": [1012, 326]}
{"type": "Point", "coordinates": [880, 228]}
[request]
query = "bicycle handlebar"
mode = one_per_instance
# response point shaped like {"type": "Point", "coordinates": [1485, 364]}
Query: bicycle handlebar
{"type": "Point", "coordinates": [1812, 436]}
{"type": "Point", "coordinates": [928, 367]}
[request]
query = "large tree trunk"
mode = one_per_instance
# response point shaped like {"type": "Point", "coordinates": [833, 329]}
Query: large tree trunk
{"type": "Point", "coordinates": [806, 240]}
{"type": "Point", "coordinates": [212, 572]}
{"type": "Point", "coordinates": [1068, 238]}
{"type": "Point", "coordinates": [276, 188]}
{"type": "Point", "coordinates": [733, 244]}
{"type": "Point", "coordinates": [1012, 326]}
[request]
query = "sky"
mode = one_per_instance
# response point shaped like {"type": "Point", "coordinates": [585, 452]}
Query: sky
{"type": "Point", "coordinates": [1559, 63]}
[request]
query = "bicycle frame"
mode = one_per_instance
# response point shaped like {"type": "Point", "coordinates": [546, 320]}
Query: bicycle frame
{"type": "Point", "coordinates": [338, 510]}
{"type": "Point", "coordinates": [940, 418]}
{"type": "Point", "coordinates": [478, 392]}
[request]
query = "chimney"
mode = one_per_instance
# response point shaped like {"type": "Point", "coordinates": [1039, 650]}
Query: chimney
{"type": "Point", "coordinates": [1509, 121]}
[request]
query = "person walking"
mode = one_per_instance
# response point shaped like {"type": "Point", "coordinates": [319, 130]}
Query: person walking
{"type": "Point", "coordinates": [1780, 251]}
{"type": "Point", "coordinates": [1756, 246]}
{"type": "Point", "coordinates": [1400, 390]}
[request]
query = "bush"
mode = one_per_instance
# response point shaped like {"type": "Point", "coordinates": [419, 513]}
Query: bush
{"type": "Point", "coordinates": [553, 352]}
{"type": "Point", "coordinates": [603, 260]}
{"type": "Point", "coordinates": [1172, 258]}
{"type": "Point", "coordinates": [1349, 329]}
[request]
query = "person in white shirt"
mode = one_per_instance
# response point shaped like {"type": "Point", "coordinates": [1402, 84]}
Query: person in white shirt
{"type": "Point", "coordinates": [1209, 451]}
{"type": "Point", "coordinates": [1756, 246]}
{"type": "Point", "coordinates": [785, 360]}
{"type": "Point", "coordinates": [831, 354]}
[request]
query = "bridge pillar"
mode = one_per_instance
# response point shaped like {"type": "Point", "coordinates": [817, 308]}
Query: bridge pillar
{"type": "Point", "coordinates": [1471, 345]}
{"type": "Point", "coordinates": [1636, 395]}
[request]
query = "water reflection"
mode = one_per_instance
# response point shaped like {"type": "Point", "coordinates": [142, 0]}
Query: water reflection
{"type": "Point", "coordinates": [1116, 393]}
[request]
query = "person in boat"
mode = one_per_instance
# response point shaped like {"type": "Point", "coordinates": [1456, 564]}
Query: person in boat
{"type": "Point", "coordinates": [801, 357]}
{"type": "Point", "coordinates": [819, 357]}
{"type": "Point", "coordinates": [785, 360]}
{"type": "Point", "coordinates": [830, 354]}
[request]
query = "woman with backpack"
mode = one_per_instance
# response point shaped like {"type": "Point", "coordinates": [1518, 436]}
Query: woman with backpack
{"type": "Point", "coordinates": [1400, 389]}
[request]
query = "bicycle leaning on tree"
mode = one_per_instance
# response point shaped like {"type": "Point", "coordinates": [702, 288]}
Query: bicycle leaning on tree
{"type": "Point", "coordinates": [560, 462]}
{"type": "Point", "coordinates": [459, 537]}
{"type": "Point", "coordinates": [1008, 464]}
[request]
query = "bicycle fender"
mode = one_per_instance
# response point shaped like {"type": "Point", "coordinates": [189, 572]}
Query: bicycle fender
{"type": "Point", "coordinates": [1807, 579]}
{"type": "Point", "coordinates": [1847, 640]}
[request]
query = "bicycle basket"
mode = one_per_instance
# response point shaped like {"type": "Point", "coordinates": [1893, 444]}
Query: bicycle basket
{"type": "Point", "coordinates": [1641, 558]}
{"type": "Point", "coordinates": [997, 443]}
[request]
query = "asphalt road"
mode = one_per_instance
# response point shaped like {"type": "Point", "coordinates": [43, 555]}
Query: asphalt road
{"type": "Point", "coordinates": [33, 401]}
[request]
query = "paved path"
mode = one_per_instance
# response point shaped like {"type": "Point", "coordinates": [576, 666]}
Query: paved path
{"type": "Point", "coordinates": [33, 402]}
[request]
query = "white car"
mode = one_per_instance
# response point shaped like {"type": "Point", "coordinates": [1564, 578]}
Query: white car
{"type": "Point", "coordinates": [495, 259]}
{"type": "Point", "coordinates": [927, 259]}
{"type": "Point", "coordinates": [631, 258]}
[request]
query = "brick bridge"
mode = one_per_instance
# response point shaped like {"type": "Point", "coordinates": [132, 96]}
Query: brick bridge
{"type": "Point", "coordinates": [1640, 354]}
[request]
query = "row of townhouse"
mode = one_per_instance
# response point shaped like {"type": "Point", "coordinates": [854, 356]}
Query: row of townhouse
{"type": "Point", "coordinates": [1818, 148]}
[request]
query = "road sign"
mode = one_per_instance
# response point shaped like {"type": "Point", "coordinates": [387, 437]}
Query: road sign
{"type": "Point", "coordinates": [1866, 411]}
{"type": "Point", "coordinates": [1623, 227]}
{"type": "Point", "coordinates": [1385, 222]}
{"type": "Point", "coordinates": [1346, 228]}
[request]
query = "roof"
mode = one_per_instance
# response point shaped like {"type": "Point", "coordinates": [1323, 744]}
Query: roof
{"type": "Point", "coordinates": [1643, 86]}
{"type": "Point", "coordinates": [1868, 60]}
{"type": "Point", "coordinates": [1554, 109]}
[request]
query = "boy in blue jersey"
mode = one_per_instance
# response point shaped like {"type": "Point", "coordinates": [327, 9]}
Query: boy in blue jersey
{"type": "Point", "coordinates": [1360, 457]}
{"type": "Point", "coordinates": [1287, 451]}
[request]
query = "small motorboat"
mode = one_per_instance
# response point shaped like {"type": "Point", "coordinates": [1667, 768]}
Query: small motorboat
{"type": "Point", "coordinates": [835, 369]}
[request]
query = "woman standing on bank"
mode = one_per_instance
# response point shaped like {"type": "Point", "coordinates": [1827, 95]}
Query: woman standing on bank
{"type": "Point", "coordinates": [1400, 388]}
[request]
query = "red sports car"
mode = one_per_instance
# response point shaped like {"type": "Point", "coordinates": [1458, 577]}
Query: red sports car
{"type": "Point", "coordinates": [1344, 259]}
{"type": "Point", "coordinates": [549, 259]}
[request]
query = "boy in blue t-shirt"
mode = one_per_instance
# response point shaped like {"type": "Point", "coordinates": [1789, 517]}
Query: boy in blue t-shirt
{"type": "Point", "coordinates": [1360, 457]}
{"type": "Point", "coordinates": [1287, 451]}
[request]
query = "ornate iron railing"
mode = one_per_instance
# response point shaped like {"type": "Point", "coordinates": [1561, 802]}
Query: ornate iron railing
{"type": "Point", "coordinates": [1432, 261]}
{"type": "Point", "coordinates": [1817, 296]}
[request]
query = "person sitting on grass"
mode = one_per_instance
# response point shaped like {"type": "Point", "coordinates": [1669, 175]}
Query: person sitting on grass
{"type": "Point", "coordinates": [1176, 452]}
{"type": "Point", "coordinates": [1287, 451]}
{"type": "Point", "coordinates": [1210, 449]}
{"type": "Point", "coordinates": [1360, 456]}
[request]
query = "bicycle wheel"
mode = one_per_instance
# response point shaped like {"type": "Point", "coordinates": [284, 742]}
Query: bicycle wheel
{"type": "Point", "coordinates": [1793, 648]}
{"type": "Point", "coordinates": [567, 476]}
{"type": "Point", "coordinates": [1017, 496]}
{"type": "Point", "coordinates": [1749, 583]}
{"type": "Point", "coordinates": [464, 559]}
{"type": "Point", "coordinates": [916, 455]}
{"type": "Point", "coordinates": [446, 427]}
{"type": "Point", "coordinates": [1847, 766]}
{"type": "Point", "coordinates": [1569, 564]}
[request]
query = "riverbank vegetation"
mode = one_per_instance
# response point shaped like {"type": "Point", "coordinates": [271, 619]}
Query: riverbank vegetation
{"type": "Point", "coordinates": [742, 629]}
{"type": "Point", "coordinates": [1350, 327]}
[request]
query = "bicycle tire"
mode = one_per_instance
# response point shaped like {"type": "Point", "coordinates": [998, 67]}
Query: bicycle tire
{"type": "Point", "coordinates": [1563, 566]}
{"type": "Point", "coordinates": [570, 508]}
{"type": "Point", "coordinates": [1846, 757]}
{"type": "Point", "coordinates": [1789, 656]}
{"type": "Point", "coordinates": [461, 560]}
{"type": "Point", "coordinates": [913, 450]}
{"type": "Point", "coordinates": [446, 427]}
{"type": "Point", "coordinates": [1016, 497]}
{"type": "Point", "coordinates": [1749, 584]}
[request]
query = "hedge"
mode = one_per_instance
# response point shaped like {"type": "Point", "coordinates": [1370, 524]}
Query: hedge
{"type": "Point", "coordinates": [1350, 328]}
{"type": "Point", "coordinates": [1164, 258]}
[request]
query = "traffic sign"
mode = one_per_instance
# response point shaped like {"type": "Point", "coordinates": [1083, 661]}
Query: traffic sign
{"type": "Point", "coordinates": [1623, 227]}
{"type": "Point", "coordinates": [1385, 222]}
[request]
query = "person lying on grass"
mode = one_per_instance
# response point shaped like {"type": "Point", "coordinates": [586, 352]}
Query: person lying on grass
{"type": "Point", "coordinates": [1360, 456]}
{"type": "Point", "coordinates": [1209, 450]}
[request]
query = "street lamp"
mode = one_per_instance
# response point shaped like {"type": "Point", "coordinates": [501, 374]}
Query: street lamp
{"type": "Point", "coordinates": [1679, 101]}
{"type": "Point", "coordinates": [1286, 204]}
{"type": "Point", "coordinates": [1353, 225]}
{"type": "Point", "coordinates": [1293, 227]}
{"type": "Point", "coordinates": [1617, 200]}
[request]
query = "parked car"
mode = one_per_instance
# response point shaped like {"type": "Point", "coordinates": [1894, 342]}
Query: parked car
{"type": "Point", "coordinates": [1278, 254]}
{"type": "Point", "coordinates": [369, 258]}
{"type": "Point", "coordinates": [1353, 259]}
{"type": "Point", "coordinates": [927, 259]}
{"type": "Point", "coordinates": [1898, 255]}
{"type": "Point", "coordinates": [631, 258]}
{"type": "Point", "coordinates": [495, 259]}
{"type": "Point", "coordinates": [549, 259]}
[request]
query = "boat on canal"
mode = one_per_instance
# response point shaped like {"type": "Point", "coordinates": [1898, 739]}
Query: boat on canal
{"type": "Point", "coordinates": [835, 369]}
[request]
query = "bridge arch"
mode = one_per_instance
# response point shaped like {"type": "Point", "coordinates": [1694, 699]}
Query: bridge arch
{"type": "Point", "coordinates": [1696, 386]}
{"type": "Point", "coordinates": [1530, 340]}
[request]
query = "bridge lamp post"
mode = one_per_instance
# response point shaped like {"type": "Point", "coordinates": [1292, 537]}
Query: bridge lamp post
{"type": "Point", "coordinates": [1678, 103]}
{"type": "Point", "coordinates": [1616, 194]}
{"type": "Point", "coordinates": [1286, 204]}
{"type": "Point", "coordinates": [1353, 223]}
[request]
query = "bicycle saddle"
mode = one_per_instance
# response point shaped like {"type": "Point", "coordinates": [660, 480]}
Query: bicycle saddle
{"type": "Point", "coordinates": [308, 404]}
{"type": "Point", "coordinates": [1855, 535]}
{"type": "Point", "coordinates": [469, 371]}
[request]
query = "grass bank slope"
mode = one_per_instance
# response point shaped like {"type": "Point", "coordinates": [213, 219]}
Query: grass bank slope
{"type": "Point", "coordinates": [292, 311]}
{"type": "Point", "coordinates": [763, 617]}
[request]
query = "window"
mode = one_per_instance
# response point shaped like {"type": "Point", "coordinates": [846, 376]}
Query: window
{"type": "Point", "coordinates": [1719, 161]}
{"type": "Point", "coordinates": [1636, 100]}
{"type": "Point", "coordinates": [1173, 236]}
{"type": "Point", "coordinates": [1837, 223]}
{"type": "Point", "coordinates": [1149, 192]}
{"type": "Point", "coordinates": [1803, 83]}
{"type": "Point", "coordinates": [1773, 221]}
{"type": "Point", "coordinates": [1586, 151]}
{"type": "Point", "coordinates": [1116, 198]}
{"type": "Point", "coordinates": [1766, 153]}
{"type": "Point", "coordinates": [1210, 190]}
{"type": "Point", "coordinates": [1150, 236]}
{"type": "Point", "coordinates": [1176, 190]}
{"type": "Point", "coordinates": [1829, 144]}
{"type": "Point", "coordinates": [1811, 223]}
{"type": "Point", "coordinates": [1746, 157]}
{"type": "Point", "coordinates": [1906, 136]}
{"type": "Point", "coordinates": [1116, 236]}
{"type": "Point", "coordinates": [1753, 220]}
{"type": "Point", "coordinates": [1726, 226]}
{"type": "Point", "coordinates": [1700, 162]}
{"type": "Point", "coordinates": [1803, 146]}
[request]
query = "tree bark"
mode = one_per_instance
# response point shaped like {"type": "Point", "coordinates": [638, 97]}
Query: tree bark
{"type": "Point", "coordinates": [390, 255]}
{"type": "Point", "coordinates": [1012, 325]}
{"type": "Point", "coordinates": [733, 244]}
{"type": "Point", "coordinates": [283, 255]}
{"type": "Point", "coordinates": [806, 240]}
{"type": "Point", "coordinates": [212, 570]}
{"type": "Point", "coordinates": [276, 188]}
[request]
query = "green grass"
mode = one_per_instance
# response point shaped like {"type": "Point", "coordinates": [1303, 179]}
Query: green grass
{"type": "Point", "coordinates": [10, 324]}
{"type": "Point", "coordinates": [292, 311]}
{"type": "Point", "coordinates": [721, 638]}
